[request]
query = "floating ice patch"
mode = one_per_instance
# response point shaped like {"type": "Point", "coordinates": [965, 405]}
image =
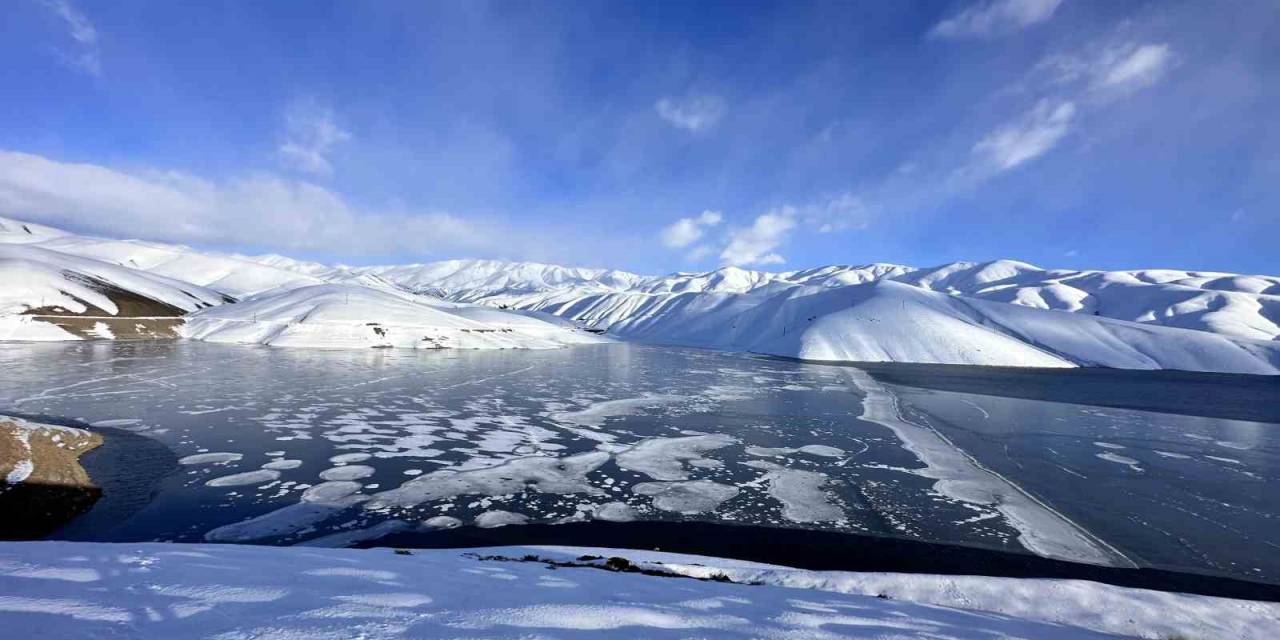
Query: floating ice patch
{"type": "Point", "coordinates": [280, 522]}
{"type": "Point", "coordinates": [260, 476]}
{"type": "Point", "coordinates": [697, 496]}
{"type": "Point", "coordinates": [1170, 454]}
{"type": "Point", "coordinates": [537, 473]}
{"type": "Point", "coordinates": [727, 393]}
{"type": "Point", "coordinates": [348, 472]}
{"type": "Point", "coordinates": [614, 512]}
{"type": "Point", "coordinates": [664, 458]}
{"type": "Point", "coordinates": [1226, 460]}
{"type": "Point", "coordinates": [442, 522]}
{"type": "Point", "coordinates": [594, 415]}
{"type": "Point", "coordinates": [115, 423]}
{"type": "Point", "coordinates": [1119, 459]}
{"type": "Point", "coordinates": [1108, 445]}
{"type": "Point", "coordinates": [334, 492]}
{"type": "Point", "coordinates": [822, 450]}
{"type": "Point", "coordinates": [800, 493]}
{"type": "Point", "coordinates": [344, 458]}
{"type": "Point", "coordinates": [494, 519]}
{"type": "Point", "coordinates": [282, 465]}
{"type": "Point", "coordinates": [210, 458]}
{"type": "Point", "coordinates": [768, 452]}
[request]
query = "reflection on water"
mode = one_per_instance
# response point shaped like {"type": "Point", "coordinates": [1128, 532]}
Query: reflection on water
{"type": "Point", "coordinates": [325, 447]}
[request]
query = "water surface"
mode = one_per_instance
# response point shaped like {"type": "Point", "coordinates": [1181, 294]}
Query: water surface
{"type": "Point", "coordinates": [290, 446]}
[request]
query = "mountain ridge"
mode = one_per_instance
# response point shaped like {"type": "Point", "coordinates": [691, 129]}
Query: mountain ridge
{"type": "Point", "coordinates": [999, 312]}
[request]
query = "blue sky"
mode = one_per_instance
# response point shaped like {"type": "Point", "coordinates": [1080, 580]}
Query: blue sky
{"type": "Point", "coordinates": [654, 136]}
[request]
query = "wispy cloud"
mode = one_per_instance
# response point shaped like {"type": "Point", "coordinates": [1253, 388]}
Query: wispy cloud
{"type": "Point", "coordinates": [692, 113]}
{"type": "Point", "coordinates": [991, 18]}
{"type": "Point", "coordinates": [1029, 136]}
{"type": "Point", "coordinates": [1109, 71]}
{"type": "Point", "coordinates": [1058, 98]}
{"type": "Point", "coordinates": [757, 244]}
{"type": "Point", "coordinates": [260, 210]}
{"type": "Point", "coordinates": [310, 133]}
{"type": "Point", "coordinates": [84, 54]}
{"type": "Point", "coordinates": [837, 213]}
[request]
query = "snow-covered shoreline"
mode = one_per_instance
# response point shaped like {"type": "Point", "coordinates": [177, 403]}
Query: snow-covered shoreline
{"type": "Point", "coordinates": [84, 590]}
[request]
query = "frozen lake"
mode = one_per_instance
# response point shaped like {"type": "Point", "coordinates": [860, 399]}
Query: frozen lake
{"type": "Point", "coordinates": [289, 446]}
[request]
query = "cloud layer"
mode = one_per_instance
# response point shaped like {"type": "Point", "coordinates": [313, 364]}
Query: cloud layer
{"type": "Point", "coordinates": [252, 211]}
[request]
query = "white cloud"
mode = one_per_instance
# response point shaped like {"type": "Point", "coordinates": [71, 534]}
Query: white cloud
{"type": "Point", "coordinates": [84, 55]}
{"type": "Point", "coordinates": [755, 245]}
{"type": "Point", "coordinates": [693, 113]}
{"type": "Point", "coordinates": [310, 133]}
{"type": "Point", "coordinates": [1141, 67]}
{"type": "Point", "coordinates": [1028, 137]}
{"type": "Point", "coordinates": [686, 231]}
{"type": "Point", "coordinates": [256, 211]}
{"type": "Point", "coordinates": [992, 18]}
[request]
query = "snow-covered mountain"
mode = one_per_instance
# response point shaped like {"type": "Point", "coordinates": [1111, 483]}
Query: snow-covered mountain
{"type": "Point", "coordinates": [234, 276]}
{"type": "Point", "coordinates": [1241, 306]}
{"type": "Point", "coordinates": [345, 315]}
{"type": "Point", "coordinates": [1236, 305]}
{"type": "Point", "coordinates": [59, 286]}
{"type": "Point", "coordinates": [1004, 312]}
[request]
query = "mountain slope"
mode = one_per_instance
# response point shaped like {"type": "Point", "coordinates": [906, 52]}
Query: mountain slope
{"type": "Point", "coordinates": [893, 322]}
{"type": "Point", "coordinates": [1236, 305]}
{"type": "Point", "coordinates": [346, 316]}
{"type": "Point", "coordinates": [231, 275]}
{"type": "Point", "coordinates": [47, 295]}
{"type": "Point", "coordinates": [994, 313]}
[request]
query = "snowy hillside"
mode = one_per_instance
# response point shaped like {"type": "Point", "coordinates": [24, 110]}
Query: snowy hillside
{"type": "Point", "coordinates": [996, 313]}
{"type": "Point", "coordinates": [231, 275]}
{"type": "Point", "coordinates": [84, 590]}
{"type": "Point", "coordinates": [1241, 306]}
{"type": "Point", "coordinates": [345, 316]}
{"type": "Point", "coordinates": [46, 295]}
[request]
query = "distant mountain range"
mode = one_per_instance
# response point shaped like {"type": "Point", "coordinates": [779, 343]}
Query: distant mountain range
{"type": "Point", "coordinates": [1004, 312]}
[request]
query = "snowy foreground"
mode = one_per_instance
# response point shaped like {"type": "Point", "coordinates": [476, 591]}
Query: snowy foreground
{"type": "Point", "coordinates": [96, 590]}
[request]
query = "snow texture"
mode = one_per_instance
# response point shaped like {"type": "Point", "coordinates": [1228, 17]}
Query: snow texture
{"type": "Point", "coordinates": [94, 590]}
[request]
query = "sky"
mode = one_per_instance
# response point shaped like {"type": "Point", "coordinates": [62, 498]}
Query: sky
{"type": "Point", "coordinates": [654, 136]}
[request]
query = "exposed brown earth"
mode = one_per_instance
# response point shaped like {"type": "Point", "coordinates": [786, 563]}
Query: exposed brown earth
{"type": "Point", "coordinates": [138, 317]}
{"type": "Point", "coordinates": [56, 488]}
